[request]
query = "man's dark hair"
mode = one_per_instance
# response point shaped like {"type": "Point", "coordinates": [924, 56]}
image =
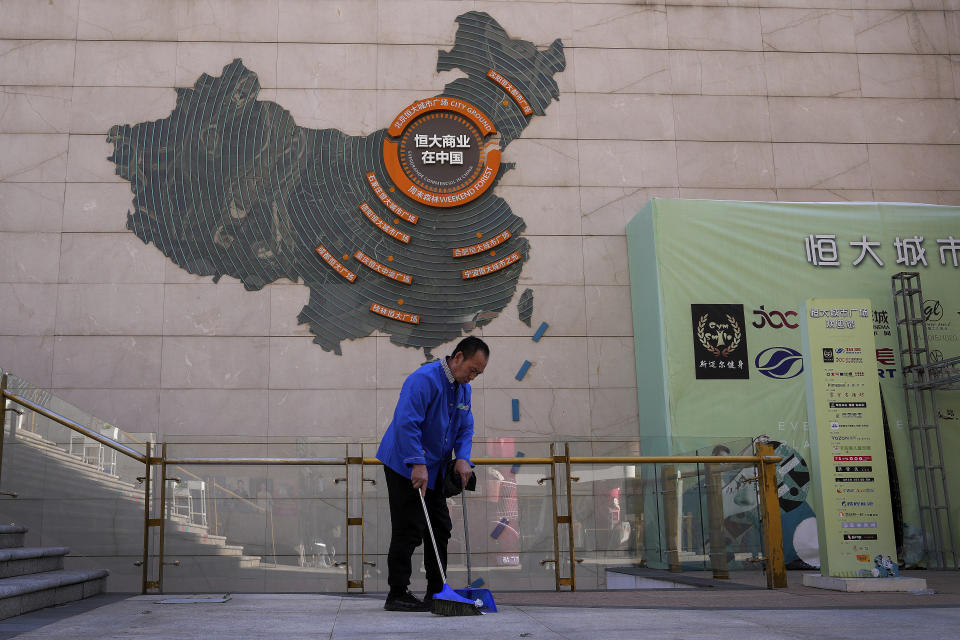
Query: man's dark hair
{"type": "Point", "coordinates": [469, 346]}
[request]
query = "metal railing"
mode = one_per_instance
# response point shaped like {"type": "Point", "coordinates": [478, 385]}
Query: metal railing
{"type": "Point", "coordinates": [559, 476]}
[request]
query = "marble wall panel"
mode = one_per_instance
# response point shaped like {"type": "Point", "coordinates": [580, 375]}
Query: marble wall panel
{"type": "Point", "coordinates": [900, 31]}
{"type": "Point", "coordinates": [541, 163]}
{"type": "Point", "coordinates": [37, 63]}
{"type": "Point", "coordinates": [620, 71]}
{"type": "Point", "coordinates": [553, 260]}
{"type": "Point", "coordinates": [93, 110]}
{"type": "Point", "coordinates": [722, 118]}
{"type": "Point", "coordinates": [625, 26]}
{"type": "Point", "coordinates": [925, 197]}
{"type": "Point", "coordinates": [213, 412]}
{"type": "Point", "coordinates": [328, 21]}
{"type": "Point", "coordinates": [805, 4]}
{"type": "Point", "coordinates": [545, 414]}
{"type": "Point", "coordinates": [529, 21]}
{"type": "Point", "coordinates": [613, 413]}
{"type": "Point", "coordinates": [106, 362]}
{"type": "Point", "coordinates": [906, 76]}
{"type": "Point", "coordinates": [31, 206]}
{"type": "Point", "coordinates": [419, 22]}
{"type": "Point", "coordinates": [109, 258]}
{"type": "Point", "coordinates": [811, 74]}
{"type": "Point", "coordinates": [910, 166]}
{"type": "Point", "coordinates": [297, 363]}
{"type": "Point", "coordinates": [750, 195]}
{"type": "Point", "coordinates": [352, 111]}
{"type": "Point", "coordinates": [808, 29]}
{"type": "Point", "coordinates": [110, 309]}
{"type": "Point", "coordinates": [228, 20]}
{"type": "Point", "coordinates": [327, 66]}
{"type": "Point", "coordinates": [197, 58]}
{"type": "Point", "coordinates": [26, 109]}
{"type": "Point", "coordinates": [605, 260]}
{"type": "Point", "coordinates": [912, 121]}
{"type": "Point", "coordinates": [953, 30]}
{"type": "Point", "coordinates": [717, 73]}
{"type": "Point", "coordinates": [125, 64]}
{"type": "Point", "coordinates": [818, 119]}
{"type": "Point", "coordinates": [820, 166]}
{"type": "Point", "coordinates": [608, 310]}
{"type": "Point", "coordinates": [919, 5]}
{"type": "Point", "coordinates": [286, 302]}
{"type": "Point", "coordinates": [29, 257]}
{"type": "Point", "coordinates": [624, 117]}
{"type": "Point", "coordinates": [28, 357]}
{"type": "Point", "coordinates": [612, 364]}
{"type": "Point", "coordinates": [127, 20]}
{"type": "Point", "coordinates": [825, 195]}
{"type": "Point", "coordinates": [318, 413]}
{"type": "Point", "coordinates": [725, 164]}
{"type": "Point", "coordinates": [27, 309]}
{"type": "Point", "coordinates": [394, 363]}
{"type": "Point", "coordinates": [33, 157]}
{"type": "Point", "coordinates": [607, 210]}
{"type": "Point", "coordinates": [557, 363]}
{"type": "Point", "coordinates": [560, 120]}
{"type": "Point", "coordinates": [222, 309]}
{"type": "Point", "coordinates": [560, 306]}
{"type": "Point", "coordinates": [410, 67]}
{"type": "Point", "coordinates": [546, 210]}
{"type": "Point", "coordinates": [720, 28]}
{"type": "Point", "coordinates": [626, 163]}
{"type": "Point", "coordinates": [87, 160]}
{"type": "Point", "coordinates": [134, 411]}
{"type": "Point", "coordinates": [54, 19]}
{"type": "Point", "coordinates": [96, 206]}
{"type": "Point", "coordinates": [215, 362]}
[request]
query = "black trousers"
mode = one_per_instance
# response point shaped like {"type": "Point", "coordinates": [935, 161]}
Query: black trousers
{"type": "Point", "coordinates": [409, 531]}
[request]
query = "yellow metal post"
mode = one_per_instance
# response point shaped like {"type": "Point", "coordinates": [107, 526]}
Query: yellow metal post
{"type": "Point", "coordinates": [671, 516]}
{"type": "Point", "coordinates": [770, 513]}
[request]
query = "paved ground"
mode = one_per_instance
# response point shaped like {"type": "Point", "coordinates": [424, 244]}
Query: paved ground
{"type": "Point", "coordinates": [795, 612]}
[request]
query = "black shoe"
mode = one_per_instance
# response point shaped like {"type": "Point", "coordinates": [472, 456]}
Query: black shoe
{"type": "Point", "coordinates": [405, 602]}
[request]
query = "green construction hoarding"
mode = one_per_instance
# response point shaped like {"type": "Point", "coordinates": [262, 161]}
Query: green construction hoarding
{"type": "Point", "coordinates": [718, 289]}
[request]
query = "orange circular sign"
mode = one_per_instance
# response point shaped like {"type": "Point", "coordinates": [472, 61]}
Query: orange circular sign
{"type": "Point", "coordinates": [438, 152]}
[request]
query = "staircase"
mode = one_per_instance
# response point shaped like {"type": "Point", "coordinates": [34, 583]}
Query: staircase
{"type": "Point", "coordinates": [33, 577]}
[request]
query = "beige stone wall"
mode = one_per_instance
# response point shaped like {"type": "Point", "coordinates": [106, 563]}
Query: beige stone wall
{"type": "Point", "coordinates": [746, 99]}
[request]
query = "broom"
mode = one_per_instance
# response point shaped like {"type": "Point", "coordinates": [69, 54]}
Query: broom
{"type": "Point", "coordinates": [446, 602]}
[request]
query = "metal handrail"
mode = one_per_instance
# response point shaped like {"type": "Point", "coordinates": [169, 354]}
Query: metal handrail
{"type": "Point", "coordinates": [76, 426]}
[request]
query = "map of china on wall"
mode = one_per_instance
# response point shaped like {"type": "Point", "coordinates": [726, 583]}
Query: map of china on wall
{"type": "Point", "coordinates": [398, 231]}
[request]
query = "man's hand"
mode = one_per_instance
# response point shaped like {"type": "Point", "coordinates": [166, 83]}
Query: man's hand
{"type": "Point", "coordinates": [418, 476]}
{"type": "Point", "coordinates": [462, 468]}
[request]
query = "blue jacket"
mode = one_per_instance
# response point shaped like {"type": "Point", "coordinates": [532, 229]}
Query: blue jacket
{"type": "Point", "coordinates": [432, 419]}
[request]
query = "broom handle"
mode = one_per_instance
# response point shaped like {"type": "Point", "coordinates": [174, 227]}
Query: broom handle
{"type": "Point", "coordinates": [466, 535]}
{"type": "Point", "coordinates": [436, 550]}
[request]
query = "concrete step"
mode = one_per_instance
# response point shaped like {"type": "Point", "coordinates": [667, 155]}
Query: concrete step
{"type": "Point", "coordinates": [11, 536]}
{"type": "Point", "coordinates": [26, 560]}
{"type": "Point", "coordinates": [28, 593]}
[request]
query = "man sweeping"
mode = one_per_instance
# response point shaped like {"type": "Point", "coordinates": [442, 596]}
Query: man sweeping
{"type": "Point", "coordinates": [432, 422]}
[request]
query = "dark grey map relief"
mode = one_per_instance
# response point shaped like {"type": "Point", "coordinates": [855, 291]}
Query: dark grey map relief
{"type": "Point", "coordinates": [230, 185]}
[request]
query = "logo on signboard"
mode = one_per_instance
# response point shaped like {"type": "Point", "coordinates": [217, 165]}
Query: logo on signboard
{"type": "Point", "coordinates": [774, 319]}
{"type": "Point", "coordinates": [719, 342]}
{"type": "Point", "coordinates": [442, 152]}
{"type": "Point", "coordinates": [779, 363]}
{"type": "Point", "coordinates": [932, 310]}
{"type": "Point", "coordinates": [828, 354]}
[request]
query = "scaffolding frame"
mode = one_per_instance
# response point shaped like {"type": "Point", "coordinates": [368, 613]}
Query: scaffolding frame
{"type": "Point", "coordinates": [924, 376]}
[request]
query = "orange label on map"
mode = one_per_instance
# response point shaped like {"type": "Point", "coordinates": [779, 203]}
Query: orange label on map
{"type": "Point", "coordinates": [474, 249]}
{"type": "Point", "coordinates": [492, 267]}
{"type": "Point", "coordinates": [383, 269]}
{"type": "Point", "coordinates": [393, 232]}
{"type": "Point", "coordinates": [393, 314]}
{"type": "Point", "coordinates": [443, 103]}
{"type": "Point", "coordinates": [512, 91]}
{"type": "Point", "coordinates": [339, 268]}
{"type": "Point", "coordinates": [388, 201]}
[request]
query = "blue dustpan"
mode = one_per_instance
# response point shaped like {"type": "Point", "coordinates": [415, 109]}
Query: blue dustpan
{"type": "Point", "coordinates": [482, 595]}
